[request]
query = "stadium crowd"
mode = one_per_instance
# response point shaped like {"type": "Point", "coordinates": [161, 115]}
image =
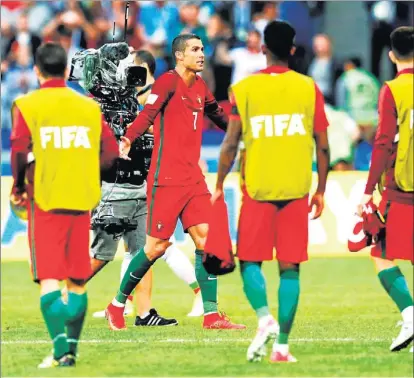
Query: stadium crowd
{"type": "Point", "coordinates": [232, 35]}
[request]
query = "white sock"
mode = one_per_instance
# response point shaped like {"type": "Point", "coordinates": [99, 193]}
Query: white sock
{"type": "Point", "coordinates": [281, 348]}
{"type": "Point", "coordinates": [264, 320]}
{"type": "Point", "coordinates": [125, 263]}
{"type": "Point", "coordinates": [180, 264]}
{"type": "Point", "coordinates": [408, 314]}
{"type": "Point", "coordinates": [144, 315]}
{"type": "Point", "coordinates": [117, 303]}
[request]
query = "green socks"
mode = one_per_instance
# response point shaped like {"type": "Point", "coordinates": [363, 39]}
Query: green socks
{"type": "Point", "coordinates": [395, 285]}
{"type": "Point", "coordinates": [254, 286]}
{"type": "Point", "coordinates": [137, 268]}
{"type": "Point", "coordinates": [54, 313]}
{"type": "Point", "coordinates": [288, 302]}
{"type": "Point", "coordinates": [76, 311]}
{"type": "Point", "coordinates": [208, 284]}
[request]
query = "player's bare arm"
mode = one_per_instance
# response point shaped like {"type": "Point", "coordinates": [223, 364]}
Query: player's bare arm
{"type": "Point", "coordinates": [322, 158]}
{"type": "Point", "coordinates": [228, 154]}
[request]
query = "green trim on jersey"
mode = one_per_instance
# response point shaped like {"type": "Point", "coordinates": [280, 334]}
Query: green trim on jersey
{"type": "Point", "coordinates": [32, 241]}
{"type": "Point", "coordinates": [157, 171]}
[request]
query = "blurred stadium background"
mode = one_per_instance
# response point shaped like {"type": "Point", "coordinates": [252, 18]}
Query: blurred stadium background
{"type": "Point", "coordinates": [333, 38]}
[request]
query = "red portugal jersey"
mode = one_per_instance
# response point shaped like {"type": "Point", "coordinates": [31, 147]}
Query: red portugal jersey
{"type": "Point", "coordinates": [177, 112]}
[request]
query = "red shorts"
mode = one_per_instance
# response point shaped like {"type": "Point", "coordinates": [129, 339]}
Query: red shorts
{"type": "Point", "coordinates": [59, 244]}
{"type": "Point", "coordinates": [168, 203]}
{"type": "Point", "coordinates": [266, 225]}
{"type": "Point", "coordinates": [399, 231]}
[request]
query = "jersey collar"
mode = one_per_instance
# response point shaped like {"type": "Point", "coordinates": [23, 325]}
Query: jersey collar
{"type": "Point", "coordinates": [406, 71]}
{"type": "Point", "coordinates": [275, 69]}
{"type": "Point", "coordinates": [53, 83]}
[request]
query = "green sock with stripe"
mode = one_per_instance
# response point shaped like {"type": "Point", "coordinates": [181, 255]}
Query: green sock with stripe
{"type": "Point", "coordinates": [254, 286]}
{"type": "Point", "coordinates": [76, 312]}
{"type": "Point", "coordinates": [137, 268]}
{"type": "Point", "coordinates": [208, 284]}
{"type": "Point", "coordinates": [54, 313]}
{"type": "Point", "coordinates": [288, 301]}
{"type": "Point", "coordinates": [395, 285]}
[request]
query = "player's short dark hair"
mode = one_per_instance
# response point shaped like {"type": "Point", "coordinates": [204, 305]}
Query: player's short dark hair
{"type": "Point", "coordinates": [180, 42]}
{"type": "Point", "coordinates": [144, 56]}
{"type": "Point", "coordinates": [279, 38]}
{"type": "Point", "coordinates": [402, 42]}
{"type": "Point", "coordinates": [356, 61]}
{"type": "Point", "coordinates": [51, 59]}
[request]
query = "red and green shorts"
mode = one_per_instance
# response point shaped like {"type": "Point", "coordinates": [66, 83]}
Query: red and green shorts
{"type": "Point", "coordinates": [399, 230]}
{"type": "Point", "coordinates": [265, 226]}
{"type": "Point", "coordinates": [166, 204]}
{"type": "Point", "coordinates": [59, 244]}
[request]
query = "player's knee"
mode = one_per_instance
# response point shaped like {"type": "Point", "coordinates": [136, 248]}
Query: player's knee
{"type": "Point", "coordinates": [75, 285]}
{"type": "Point", "coordinates": [200, 242]}
{"type": "Point", "coordinates": [49, 285]}
{"type": "Point", "coordinates": [157, 249]}
{"type": "Point", "coordinates": [284, 266]}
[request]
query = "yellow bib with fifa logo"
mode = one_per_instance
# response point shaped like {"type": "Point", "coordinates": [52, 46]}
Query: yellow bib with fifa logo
{"type": "Point", "coordinates": [402, 89]}
{"type": "Point", "coordinates": [277, 115]}
{"type": "Point", "coordinates": [66, 134]}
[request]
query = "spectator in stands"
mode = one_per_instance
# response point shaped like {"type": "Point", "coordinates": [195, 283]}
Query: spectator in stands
{"type": "Point", "coordinates": [6, 36]}
{"type": "Point", "coordinates": [23, 37]}
{"type": "Point", "coordinates": [242, 15]}
{"type": "Point", "coordinates": [357, 93]}
{"type": "Point", "coordinates": [189, 23]}
{"type": "Point", "coordinates": [246, 60]}
{"type": "Point", "coordinates": [222, 40]}
{"type": "Point", "coordinates": [20, 79]}
{"type": "Point", "coordinates": [84, 33]}
{"type": "Point", "coordinates": [343, 134]}
{"type": "Point", "coordinates": [269, 12]}
{"type": "Point", "coordinates": [158, 20]}
{"type": "Point", "coordinates": [324, 69]}
{"type": "Point", "coordinates": [385, 16]}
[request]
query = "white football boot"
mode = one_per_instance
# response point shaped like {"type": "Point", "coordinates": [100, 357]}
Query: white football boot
{"type": "Point", "coordinates": [405, 336]}
{"type": "Point", "coordinates": [266, 332]}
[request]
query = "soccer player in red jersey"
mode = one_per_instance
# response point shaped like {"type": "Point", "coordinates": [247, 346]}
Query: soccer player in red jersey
{"type": "Point", "coordinates": [278, 114]}
{"type": "Point", "coordinates": [69, 141]}
{"type": "Point", "coordinates": [176, 185]}
{"type": "Point", "coordinates": [393, 156]}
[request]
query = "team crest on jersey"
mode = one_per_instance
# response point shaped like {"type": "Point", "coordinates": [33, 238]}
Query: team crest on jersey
{"type": "Point", "coordinates": [160, 226]}
{"type": "Point", "coordinates": [199, 99]}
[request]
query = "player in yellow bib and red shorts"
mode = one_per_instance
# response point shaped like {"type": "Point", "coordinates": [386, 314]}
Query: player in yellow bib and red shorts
{"type": "Point", "coordinates": [65, 133]}
{"type": "Point", "coordinates": [278, 114]}
{"type": "Point", "coordinates": [393, 155]}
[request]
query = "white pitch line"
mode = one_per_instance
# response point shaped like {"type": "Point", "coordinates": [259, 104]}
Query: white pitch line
{"type": "Point", "coordinates": [187, 341]}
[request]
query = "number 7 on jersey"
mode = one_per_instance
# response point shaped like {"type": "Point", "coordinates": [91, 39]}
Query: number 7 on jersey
{"type": "Point", "coordinates": [195, 114]}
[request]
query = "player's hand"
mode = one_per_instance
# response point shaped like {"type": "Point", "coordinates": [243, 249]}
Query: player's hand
{"type": "Point", "coordinates": [18, 199]}
{"type": "Point", "coordinates": [364, 200]}
{"type": "Point", "coordinates": [216, 195]}
{"type": "Point", "coordinates": [318, 202]}
{"type": "Point", "coordinates": [124, 147]}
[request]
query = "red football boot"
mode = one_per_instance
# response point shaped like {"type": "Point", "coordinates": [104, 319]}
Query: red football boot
{"type": "Point", "coordinates": [115, 316]}
{"type": "Point", "coordinates": [220, 321]}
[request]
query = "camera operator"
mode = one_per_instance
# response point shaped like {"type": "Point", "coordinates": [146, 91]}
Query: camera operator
{"type": "Point", "coordinates": [124, 191]}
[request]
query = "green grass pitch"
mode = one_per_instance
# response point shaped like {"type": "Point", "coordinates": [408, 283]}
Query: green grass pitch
{"type": "Point", "coordinates": [344, 327]}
